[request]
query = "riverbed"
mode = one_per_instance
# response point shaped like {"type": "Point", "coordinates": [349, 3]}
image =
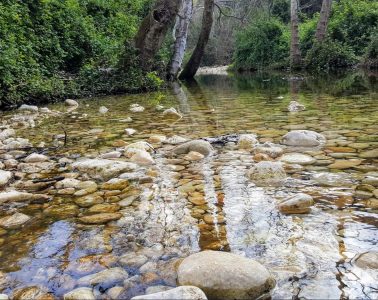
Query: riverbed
{"type": "Point", "coordinates": [160, 212]}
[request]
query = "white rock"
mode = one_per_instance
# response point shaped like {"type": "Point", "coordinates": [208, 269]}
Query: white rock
{"type": "Point", "coordinates": [5, 176]}
{"type": "Point", "coordinates": [142, 158]}
{"type": "Point", "coordinates": [130, 131]}
{"type": "Point", "coordinates": [303, 138]}
{"type": "Point", "coordinates": [113, 154]}
{"type": "Point", "coordinates": [67, 183]}
{"type": "Point", "coordinates": [297, 158]}
{"type": "Point", "coordinates": [141, 145]}
{"type": "Point", "coordinates": [35, 158]}
{"type": "Point", "coordinates": [136, 108]}
{"type": "Point", "coordinates": [26, 107]}
{"type": "Point", "coordinates": [103, 110]}
{"type": "Point", "coordinates": [7, 133]}
{"type": "Point", "coordinates": [115, 292]}
{"type": "Point", "coordinates": [14, 221]}
{"type": "Point", "coordinates": [295, 106]}
{"type": "Point", "coordinates": [83, 293]}
{"type": "Point", "coordinates": [4, 297]}
{"type": "Point", "coordinates": [175, 140]}
{"type": "Point", "coordinates": [200, 146]}
{"type": "Point", "coordinates": [159, 107]}
{"type": "Point", "coordinates": [223, 275]}
{"type": "Point", "coordinates": [126, 120]}
{"type": "Point", "coordinates": [247, 141]}
{"type": "Point", "coordinates": [133, 260]}
{"type": "Point", "coordinates": [179, 293]}
{"type": "Point", "coordinates": [171, 113]}
{"type": "Point", "coordinates": [70, 102]}
{"type": "Point", "coordinates": [103, 168]}
{"type": "Point", "coordinates": [270, 149]}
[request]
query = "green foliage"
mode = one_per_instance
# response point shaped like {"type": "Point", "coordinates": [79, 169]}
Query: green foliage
{"type": "Point", "coordinates": [54, 48]}
{"type": "Point", "coordinates": [329, 55]}
{"type": "Point", "coordinates": [370, 58]}
{"type": "Point", "coordinates": [264, 43]}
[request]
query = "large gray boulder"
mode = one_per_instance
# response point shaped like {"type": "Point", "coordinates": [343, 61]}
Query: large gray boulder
{"type": "Point", "coordinates": [223, 275]}
{"type": "Point", "coordinates": [179, 293]}
{"type": "Point", "coordinates": [200, 146]}
{"type": "Point", "coordinates": [303, 138]}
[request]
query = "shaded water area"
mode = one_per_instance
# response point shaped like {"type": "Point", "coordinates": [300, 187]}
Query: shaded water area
{"type": "Point", "coordinates": [176, 207]}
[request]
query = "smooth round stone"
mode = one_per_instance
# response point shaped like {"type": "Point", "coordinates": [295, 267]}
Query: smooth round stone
{"type": "Point", "coordinates": [83, 293]}
{"type": "Point", "coordinates": [133, 260]}
{"type": "Point", "coordinates": [62, 210]}
{"type": "Point", "coordinates": [359, 145]}
{"type": "Point", "coordinates": [369, 154]}
{"type": "Point", "coordinates": [226, 276]}
{"type": "Point", "coordinates": [104, 208]}
{"type": "Point", "coordinates": [297, 158]}
{"type": "Point", "coordinates": [298, 204]}
{"type": "Point", "coordinates": [345, 164]}
{"type": "Point", "coordinates": [194, 156]}
{"type": "Point", "coordinates": [200, 146]}
{"type": "Point", "coordinates": [368, 260]}
{"type": "Point", "coordinates": [14, 221]}
{"type": "Point", "coordinates": [5, 176]}
{"type": "Point", "coordinates": [303, 138]}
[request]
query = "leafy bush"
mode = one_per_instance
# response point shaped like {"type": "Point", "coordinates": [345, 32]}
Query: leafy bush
{"type": "Point", "coordinates": [264, 43]}
{"type": "Point", "coordinates": [53, 48]}
{"type": "Point", "coordinates": [370, 58]}
{"type": "Point", "coordinates": [329, 55]}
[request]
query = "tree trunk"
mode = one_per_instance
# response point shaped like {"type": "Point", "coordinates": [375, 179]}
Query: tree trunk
{"type": "Point", "coordinates": [295, 53]}
{"type": "Point", "coordinates": [153, 30]}
{"type": "Point", "coordinates": [181, 34]}
{"type": "Point", "coordinates": [325, 12]}
{"type": "Point", "coordinates": [195, 60]}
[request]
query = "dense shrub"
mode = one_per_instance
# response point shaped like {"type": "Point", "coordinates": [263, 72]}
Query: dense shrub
{"type": "Point", "coordinates": [329, 55]}
{"type": "Point", "coordinates": [55, 48]}
{"type": "Point", "coordinates": [370, 58]}
{"type": "Point", "coordinates": [264, 43]}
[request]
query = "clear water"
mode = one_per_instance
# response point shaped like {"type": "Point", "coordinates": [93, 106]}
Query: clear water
{"type": "Point", "coordinates": [311, 255]}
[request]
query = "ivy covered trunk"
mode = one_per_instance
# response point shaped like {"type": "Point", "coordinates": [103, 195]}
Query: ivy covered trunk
{"type": "Point", "coordinates": [153, 30]}
{"type": "Point", "coordinates": [295, 53]}
{"type": "Point", "coordinates": [325, 12]}
{"type": "Point", "coordinates": [195, 60]}
{"type": "Point", "coordinates": [181, 35]}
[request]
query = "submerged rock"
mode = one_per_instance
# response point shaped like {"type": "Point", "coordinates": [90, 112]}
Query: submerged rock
{"type": "Point", "coordinates": [83, 293]}
{"type": "Point", "coordinates": [194, 156]}
{"type": "Point", "coordinates": [130, 131]}
{"type": "Point", "coordinates": [267, 173]}
{"type": "Point", "coordinates": [345, 164]}
{"type": "Point", "coordinates": [175, 140]}
{"type": "Point", "coordinates": [100, 218]}
{"type": "Point", "coordinates": [200, 146]}
{"type": "Point", "coordinates": [15, 196]}
{"type": "Point", "coordinates": [298, 204]}
{"type": "Point", "coordinates": [295, 106]}
{"type": "Point", "coordinates": [369, 154]}
{"type": "Point", "coordinates": [5, 176]}
{"type": "Point", "coordinates": [36, 158]}
{"type": "Point", "coordinates": [171, 113]}
{"type": "Point", "coordinates": [155, 139]}
{"type": "Point", "coordinates": [32, 292]}
{"type": "Point", "coordinates": [70, 102]}
{"type": "Point", "coordinates": [224, 275]}
{"type": "Point", "coordinates": [106, 277]}
{"type": "Point", "coordinates": [26, 107]}
{"type": "Point", "coordinates": [270, 149]}
{"type": "Point", "coordinates": [303, 138]}
{"type": "Point", "coordinates": [247, 141]}
{"type": "Point", "coordinates": [333, 179]}
{"type": "Point", "coordinates": [103, 110]}
{"type": "Point", "coordinates": [136, 108]}
{"type": "Point", "coordinates": [179, 293]}
{"type": "Point", "coordinates": [298, 158]}
{"type": "Point", "coordinates": [7, 133]}
{"type": "Point", "coordinates": [112, 154]}
{"type": "Point", "coordinates": [14, 221]}
{"type": "Point", "coordinates": [142, 158]}
{"type": "Point", "coordinates": [368, 260]}
{"type": "Point", "coordinates": [103, 168]}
